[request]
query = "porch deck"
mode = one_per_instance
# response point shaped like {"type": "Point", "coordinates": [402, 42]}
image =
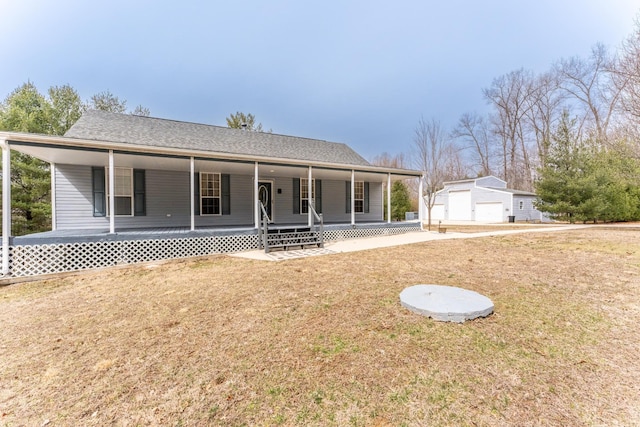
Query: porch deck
{"type": "Point", "coordinates": [73, 250]}
{"type": "Point", "coordinates": [100, 235]}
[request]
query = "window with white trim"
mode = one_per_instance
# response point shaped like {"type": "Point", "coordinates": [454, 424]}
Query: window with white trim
{"type": "Point", "coordinates": [304, 194]}
{"type": "Point", "coordinates": [210, 193]}
{"type": "Point", "coordinates": [358, 196]}
{"type": "Point", "coordinates": [122, 191]}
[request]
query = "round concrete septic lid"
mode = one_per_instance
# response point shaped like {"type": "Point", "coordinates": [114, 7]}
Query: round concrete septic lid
{"type": "Point", "coordinates": [446, 303]}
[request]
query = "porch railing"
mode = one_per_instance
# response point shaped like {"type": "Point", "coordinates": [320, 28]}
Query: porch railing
{"type": "Point", "coordinates": [263, 231]}
{"type": "Point", "coordinates": [317, 217]}
{"type": "Point", "coordinates": [288, 237]}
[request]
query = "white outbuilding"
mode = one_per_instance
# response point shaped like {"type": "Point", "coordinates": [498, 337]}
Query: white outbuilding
{"type": "Point", "coordinates": [485, 199]}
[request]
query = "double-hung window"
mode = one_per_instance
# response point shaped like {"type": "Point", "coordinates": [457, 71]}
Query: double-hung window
{"type": "Point", "coordinates": [304, 194]}
{"type": "Point", "coordinates": [122, 191]}
{"type": "Point", "coordinates": [358, 196]}
{"type": "Point", "coordinates": [129, 191]}
{"type": "Point", "coordinates": [210, 193]}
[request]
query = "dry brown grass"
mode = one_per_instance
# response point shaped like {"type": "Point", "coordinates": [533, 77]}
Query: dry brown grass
{"type": "Point", "coordinates": [478, 228]}
{"type": "Point", "coordinates": [324, 340]}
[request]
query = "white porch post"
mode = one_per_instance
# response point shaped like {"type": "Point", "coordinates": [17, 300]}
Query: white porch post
{"type": "Point", "coordinates": [353, 197]}
{"type": "Point", "coordinates": [6, 205]}
{"type": "Point", "coordinates": [389, 198]}
{"type": "Point", "coordinates": [421, 202]}
{"type": "Point", "coordinates": [53, 196]}
{"type": "Point", "coordinates": [310, 195]}
{"type": "Point", "coordinates": [256, 195]}
{"type": "Point", "coordinates": [192, 188]}
{"type": "Point", "coordinates": [112, 198]}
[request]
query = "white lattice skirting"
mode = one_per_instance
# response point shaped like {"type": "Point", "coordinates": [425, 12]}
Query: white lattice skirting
{"type": "Point", "coordinates": [35, 260]}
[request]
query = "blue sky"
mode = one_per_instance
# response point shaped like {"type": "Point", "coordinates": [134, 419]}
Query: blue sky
{"type": "Point", "coordinates": [359, 72]}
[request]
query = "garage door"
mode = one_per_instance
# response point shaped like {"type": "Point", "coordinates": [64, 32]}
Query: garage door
{"type": "Point", "coordinates": [460, 205]}
{"type": "Point", "coordinates": [489, 212]}
{"type": "Point", "coordinates": [437, 212]}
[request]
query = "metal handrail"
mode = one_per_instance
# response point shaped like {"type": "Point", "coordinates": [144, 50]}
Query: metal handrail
{"type": "Point", "coordinates": [319, 218]}
{"type": "Point", "coordinates": [264, 212]}
{"type": "Point", "coordinates": [265, 226]}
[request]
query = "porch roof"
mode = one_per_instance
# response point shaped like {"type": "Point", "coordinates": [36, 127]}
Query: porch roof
{"type": "Point", "coordinates": [97, 132]}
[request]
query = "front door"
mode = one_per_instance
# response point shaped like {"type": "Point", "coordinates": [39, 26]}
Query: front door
{"type": "Point", "coordinates": [265, 195]}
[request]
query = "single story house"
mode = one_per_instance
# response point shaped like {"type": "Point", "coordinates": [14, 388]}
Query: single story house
{"type": "Point", "coordinates": [483, 199]}
{"type": "Point", "coordinates": [121, 178]}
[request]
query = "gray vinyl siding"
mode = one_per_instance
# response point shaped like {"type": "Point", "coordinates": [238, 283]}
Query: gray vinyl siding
{"type": "Point", "coordinates": [283, 213]}
{"type": "Point", "coordinates": [167, 196]}
{"type": "Point", "coordinates": [528, 213]}
{"type": "Point", "coordinates": [167, 201]}
{"type": "Point", "coordinates": [376, 207]}
{"type": "Point", "coordinates": [333, 208]}
{"type": "Point", "coordinates": [459, 186]}
{"type": "Point", "coordinates": [333, 203]}
{"type": "Point", "coordinates": [241, 190]}
{"type": "Point", "coordinates": [74, 199]}
{"type": "Point", "coordinates": [490, 181]}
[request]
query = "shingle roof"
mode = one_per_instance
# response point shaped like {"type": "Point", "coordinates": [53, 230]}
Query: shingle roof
{"type": "Point", "coordinates": [512, 191]}
{"type": "Point", "coordinates": [155, 132]}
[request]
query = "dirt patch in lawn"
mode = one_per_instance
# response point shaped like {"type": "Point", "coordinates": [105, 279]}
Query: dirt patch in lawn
{"type": "Point", "coordinates": [479, 228]}
{"type": "Point", "coordinates": [324, 340]}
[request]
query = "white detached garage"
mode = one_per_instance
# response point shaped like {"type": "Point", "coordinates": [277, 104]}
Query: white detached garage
{"type": "Point", "coordinates": [489, 212]}
{"type": "Point", "coordinates": [460, 205]}
{"type": "Point", "coordinates": [485, 199]}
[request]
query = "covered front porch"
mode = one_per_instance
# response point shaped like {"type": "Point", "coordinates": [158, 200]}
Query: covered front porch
{"type": "Point", "coordinates": [156, 188]}
{"type": "Point", "coordinates": [177, 190]}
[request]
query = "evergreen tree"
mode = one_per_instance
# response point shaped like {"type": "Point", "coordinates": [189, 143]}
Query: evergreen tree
{"type": "Point", "coordinates": [400, 200]}
{"type": "Point", "coordinates": [106, 101]}
{"type": "Point", "coordinates": [617, 174]}
{"type": "Point", "coordinates": [26, 110]}
{"type": "Point", "coordinates": [65, 106]}
{"type": "Point", "coordinates": [241, 120]}
{"type": "Point", "coordinates": [141, 111]}
{"type": "Point", "coordinates": [584, 182]}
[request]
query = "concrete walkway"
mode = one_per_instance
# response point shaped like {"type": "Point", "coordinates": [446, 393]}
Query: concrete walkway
{"type": "Point", "coordinates": [366, 243]}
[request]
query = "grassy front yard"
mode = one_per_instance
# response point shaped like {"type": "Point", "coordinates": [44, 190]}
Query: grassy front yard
{"type": "Point", "coordinates": [324, 340]}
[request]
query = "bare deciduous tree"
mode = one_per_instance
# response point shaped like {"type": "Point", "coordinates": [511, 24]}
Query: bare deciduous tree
{"type": "Point", "coordinates": [472, 130]}
{"type": "Point", "coordinates": [601, 92]}
{"type": "Point", "coordinates": [590, 84]}
{"type": "Point", "coordinates": [546, 108]}
{"type": "Point", "coordinates": [627, 80]}
{"type": "Point", "coordinates": [402, 162]}
{"type": "Point", "coordinates": [510, 95]}
{"type": "Point", "coordinates": [436, 157]}
{"type": "Point", "coordinates": [388, 160]}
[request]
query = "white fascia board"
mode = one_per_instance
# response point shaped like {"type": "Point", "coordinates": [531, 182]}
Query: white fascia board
{"type": "Point", "coordinates": [65, 142]}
